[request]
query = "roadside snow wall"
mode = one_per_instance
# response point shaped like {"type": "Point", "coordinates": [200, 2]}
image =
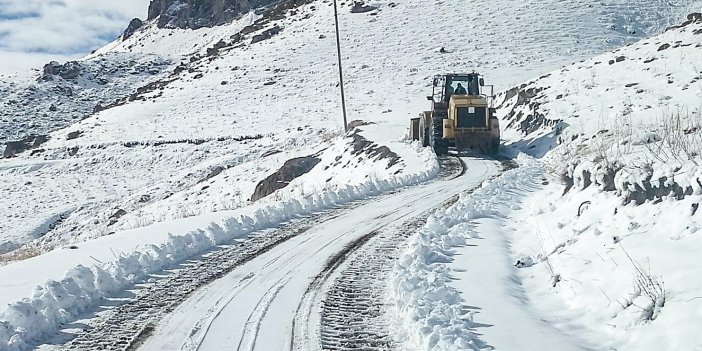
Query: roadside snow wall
{"type": "Point", "coordinates": [431, 313]}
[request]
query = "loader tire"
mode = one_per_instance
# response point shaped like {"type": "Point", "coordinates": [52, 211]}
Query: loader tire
{"type": "Point", "coordinates": [495, 146]}
{"type": "Point", "coordinates": [436, 136]}
{"type": "Point", "coordinates": [423, 135]}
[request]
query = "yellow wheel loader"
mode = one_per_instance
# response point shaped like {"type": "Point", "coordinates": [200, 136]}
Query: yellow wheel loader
{"type": "Point", "coordinates": [461, 116]}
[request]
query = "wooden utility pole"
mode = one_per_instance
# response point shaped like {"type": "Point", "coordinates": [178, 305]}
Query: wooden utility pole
{"type": "Point", "coordinates": [341, 74]}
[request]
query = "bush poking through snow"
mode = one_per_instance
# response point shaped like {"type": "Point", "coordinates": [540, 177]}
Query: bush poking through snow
{"type": "Point", "coordinates": [20, 254]}
{"type": "Point", "coordinates": [650, 286]}
{"type": "Point", "coordinates": [680, 138]}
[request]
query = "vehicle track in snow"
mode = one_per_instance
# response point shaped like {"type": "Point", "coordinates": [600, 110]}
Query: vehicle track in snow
{"type": "Point", "coordinates": [122, 327]}
{"type": "Point", "coordinates": [126, 326]}
{"type": "Point", "coordinates": [354, 310]}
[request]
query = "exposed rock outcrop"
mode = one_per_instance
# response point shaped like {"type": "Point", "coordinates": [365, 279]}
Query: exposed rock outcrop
{"type": "Point", "coordinates": [52, 68]}
{"type": "Point", "coordinates": [695, 17]}
{"type": "Point", "coordinates": [31, 142]}
{"type": "Point", "coordinates": [266, 34]}
{"type": "Point", "coordinates": [374, 151]}
{"type": "Point", "coordinates": [292, 169]}
{"type": "Point", "coordinates": [69, 70]}
{"type": "Point", "coordinates": [196, 14]}
{"type": "Point", "coordinates": [133, 26]}
{"type": "Point", "coordinates": [533, 119]}
{"type": "Point", "coordinates": [360, 7]}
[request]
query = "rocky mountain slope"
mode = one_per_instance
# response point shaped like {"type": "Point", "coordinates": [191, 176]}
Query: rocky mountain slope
{"type": "Point", "coordinates": [198, 14]}
{"type": "Point", "coordinates": [65, 93]}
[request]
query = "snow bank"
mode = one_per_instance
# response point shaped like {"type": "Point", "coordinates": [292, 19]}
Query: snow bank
{"type": "Point", "coordinates": [56, 303]}
{"type": "Point", "coordinates": [431, 313]}
{"type": "Point", "coordinates": [621, 130]}
{"type": "Point", "coordinates": [596, 245]}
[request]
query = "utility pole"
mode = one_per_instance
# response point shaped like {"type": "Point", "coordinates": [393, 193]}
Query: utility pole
{"type": "Point", "coordinates": [341, 74]}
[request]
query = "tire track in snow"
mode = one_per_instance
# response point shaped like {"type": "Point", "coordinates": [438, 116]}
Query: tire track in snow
{"type": "Point", "coordinates": [198, 330]}
{"type": "Point", "coordinates": [352, 310]}
{"type": "Point", "coordinates": [256, 316]}
{"type": "Point", "coordinates": [124, 327]}
{"type": "Point", "coordinates": [127, 325]}
{"type": "Point", "coordinates": [304, 320]}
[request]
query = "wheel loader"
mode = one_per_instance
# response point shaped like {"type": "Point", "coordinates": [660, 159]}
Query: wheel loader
{"type": "Point", "coordinates": [462, 116]}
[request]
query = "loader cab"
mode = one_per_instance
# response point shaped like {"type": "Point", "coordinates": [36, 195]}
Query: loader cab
{"type": "Point", "coordinates": [462, 85]}
{"type": "Point", "coordinates": [445, 86]}
{"type": "Point", "coordinates": [448, 85]}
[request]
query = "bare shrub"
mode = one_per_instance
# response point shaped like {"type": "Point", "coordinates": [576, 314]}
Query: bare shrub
{"type": "Point", "coordinates": [20, 254]}
{"type": "Point", "coordinates": [650, 286]}
{"type": "Point", "coordinates": [680, 138]}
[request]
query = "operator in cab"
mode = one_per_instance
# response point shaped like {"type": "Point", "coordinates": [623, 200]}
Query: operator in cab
{"type": "Point", "coordinates": [460, 90]}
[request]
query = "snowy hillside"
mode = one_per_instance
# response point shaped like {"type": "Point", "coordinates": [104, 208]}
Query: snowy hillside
{"type": "Point", "coordinates": [284, 88]}
{"type": "Point", "coordinates": [166, 140]}
{"type": "Point", "coordinates": [62, 94]}
{"type": "Point", "coordinates": [613, 231]}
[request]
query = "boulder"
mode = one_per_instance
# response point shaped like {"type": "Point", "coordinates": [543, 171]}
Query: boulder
{"type": "Point", "coordinates": [31, 142]}
{"type": "Point", "coordinates": [52, 68]}
{"type": "Point", "coordinates": [74, 135]}
{"type": "Point", "coordinates": [292, 169]}
{"type": "Point", "coordinates": [70, 70]}
{"type": "Point", "coordinates": [266, 34]}
{"type": "Point", "coordinates": [360, 7]}
{"type": "Point", "coordinates": [132, 28]}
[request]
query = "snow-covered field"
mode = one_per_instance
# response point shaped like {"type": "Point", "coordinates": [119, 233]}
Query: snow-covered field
{"type": "Point", "coordinates": [160, 174]}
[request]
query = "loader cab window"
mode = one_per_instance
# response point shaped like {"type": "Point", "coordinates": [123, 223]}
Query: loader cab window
{"type": "Point", "coordinates": [469, 85]}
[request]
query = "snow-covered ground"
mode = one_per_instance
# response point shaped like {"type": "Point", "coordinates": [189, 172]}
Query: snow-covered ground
{"type": "Point", "coordinates": [188, 149]}
{"type": "Point", "coordinates": [283, 88]}
{"type": "Point", "coordinates": [455, 287]}
{"type": "Point", "coordinates": [594, 245]}
{"type": "Point", "coordinates": [614, 235]}
{"type": "Point", "coordinates": [260, 300]}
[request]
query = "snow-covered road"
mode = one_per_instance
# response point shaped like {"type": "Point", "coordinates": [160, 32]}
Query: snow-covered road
{"type": "Point", "coordinates": [254, 306]}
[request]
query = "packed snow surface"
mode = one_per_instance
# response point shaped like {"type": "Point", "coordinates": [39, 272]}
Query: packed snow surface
{"type": "Point", "coordinates": [454, 288]}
